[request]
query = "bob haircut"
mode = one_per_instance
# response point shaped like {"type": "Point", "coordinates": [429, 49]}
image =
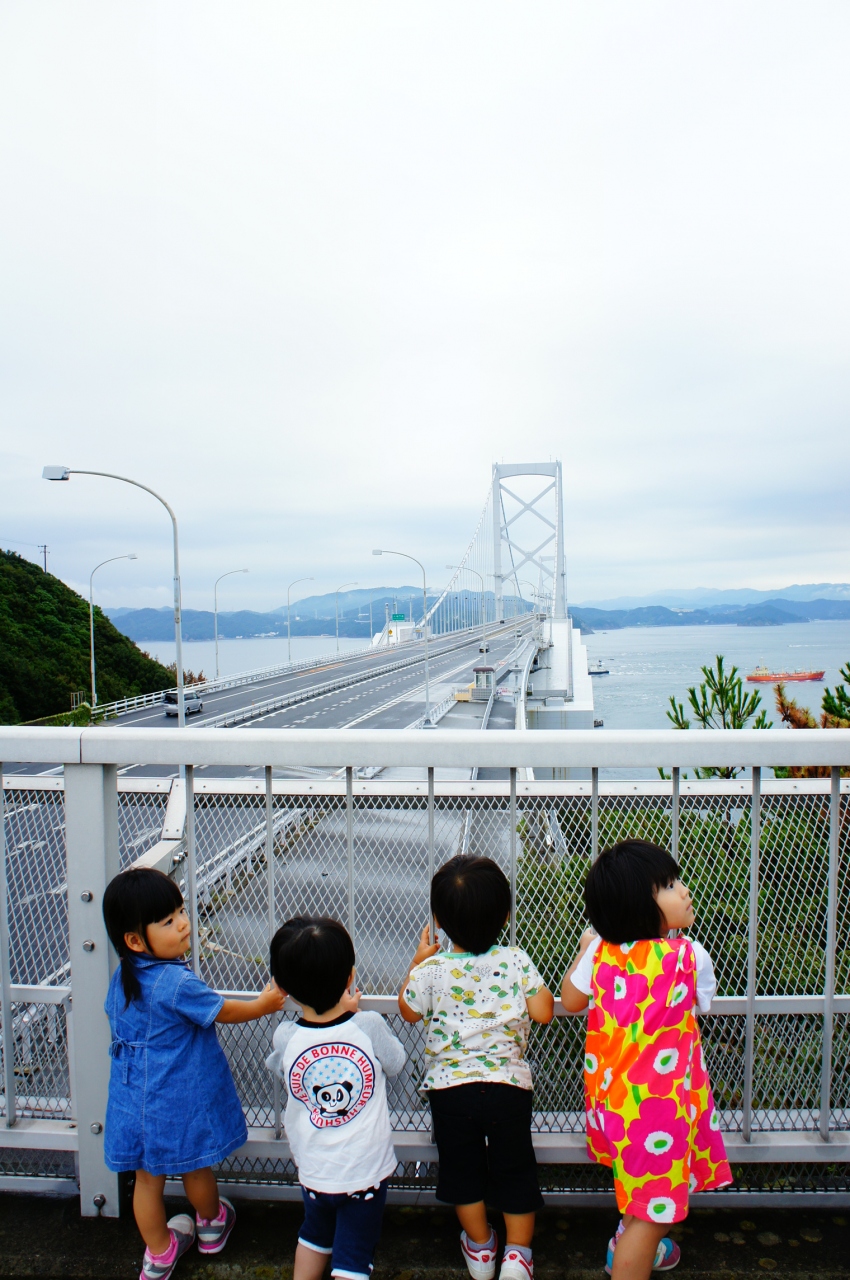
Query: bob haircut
{"type": "Point", "coordinates": [619, 890]}
{"type": "Point", "coordinates": [471, 899]}
{"type": "Point", "coordinates": [133, 900]}
{"type": "Point", "coordinates": [311, 960]}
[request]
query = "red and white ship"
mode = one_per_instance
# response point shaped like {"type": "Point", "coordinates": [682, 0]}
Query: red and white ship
{"type": "Point", "coordinates": [761, 675]}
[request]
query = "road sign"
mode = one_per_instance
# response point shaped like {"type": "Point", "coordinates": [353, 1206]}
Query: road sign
{"type": "Point", "coordinates": [398, 617]}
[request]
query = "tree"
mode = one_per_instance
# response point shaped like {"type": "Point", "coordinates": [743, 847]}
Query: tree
{"type": "Point", "coordinates": [720, 703]}
{"type": "Point", "coordinates": [835, 714]}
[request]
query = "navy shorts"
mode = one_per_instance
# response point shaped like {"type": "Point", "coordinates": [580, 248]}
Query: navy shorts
{"type": "Point", "coordinates": [346, 1228]}
{"type": "Point", "coordinates": [483, 1136]}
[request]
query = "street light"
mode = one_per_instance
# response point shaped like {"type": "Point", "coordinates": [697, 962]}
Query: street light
{"type": "Point", "coordinates": [132, 556]}
{"type": "Point", "coordinates": [215, 610]}
{"type": "Point", "coordinates": [288, 632]}
{"type": "Point", "coordinates": [383, 552]}
{"type": "Point", "coordinates": [342, 588]}
{"type": "Point", "coordinates": [533, 590]}
{"type": "Point", "coordinates": [65, 473]}
{"type": "Point", "coordinates": [481, 610]}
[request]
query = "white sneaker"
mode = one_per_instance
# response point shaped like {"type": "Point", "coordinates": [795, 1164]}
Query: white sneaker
{"type": "Point", "coordinates": [480, 1263]}
{"type": "Point", "coordinates": [515, 1267]}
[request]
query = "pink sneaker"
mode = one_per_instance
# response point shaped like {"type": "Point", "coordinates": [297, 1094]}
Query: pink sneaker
{"type": "Point", "coordinates": [212, 1235]}
{"type": "Point", "coordinates": [159, 1266]}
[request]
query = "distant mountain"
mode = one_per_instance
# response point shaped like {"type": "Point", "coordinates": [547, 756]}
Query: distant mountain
{"type": "Point", "coordinates": [711, 597]}
{"type": "Point", "coordinates": [771, 613]}
{"type": "Point", "coordinates": [144, 625]}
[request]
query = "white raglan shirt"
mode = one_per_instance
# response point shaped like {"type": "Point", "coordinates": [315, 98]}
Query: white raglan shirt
{"type": "Point", "coordinates": [337, 1120]}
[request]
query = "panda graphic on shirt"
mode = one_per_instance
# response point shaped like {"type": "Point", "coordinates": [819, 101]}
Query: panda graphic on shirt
{"type": "Point", "coordinates": [334, 1081]}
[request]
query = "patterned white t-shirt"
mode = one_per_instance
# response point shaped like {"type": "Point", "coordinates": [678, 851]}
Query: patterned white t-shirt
{"type": "Point", "coordinates": [475, 1014]}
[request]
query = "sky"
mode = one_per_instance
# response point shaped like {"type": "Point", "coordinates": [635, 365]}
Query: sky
{"type": "Point", "coordinates": [309, 269]}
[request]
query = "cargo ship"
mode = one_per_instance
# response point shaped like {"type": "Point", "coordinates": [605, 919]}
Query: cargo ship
{"type": "Point", "coordinates": [761, 675]}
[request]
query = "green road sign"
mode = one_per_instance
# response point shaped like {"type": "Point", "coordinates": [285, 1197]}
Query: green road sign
{"type": "Point", "coordinates": [398, 617]}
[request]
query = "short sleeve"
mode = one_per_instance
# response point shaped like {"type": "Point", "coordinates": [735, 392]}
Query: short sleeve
{"type": "Point", "coordinates": [582, 975]}
{"type": "Point", "coordinates": [195, 1001]}
{"type": "Point", "coordinates": [418, 989]}
{"type": "Point", "coordinates": [706, 981]}
{"type": "Point", "coordinates": [530, 979]}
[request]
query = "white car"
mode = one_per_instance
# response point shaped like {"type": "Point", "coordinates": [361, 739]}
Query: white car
{"type": "Point", "coordinates": [191, 701]}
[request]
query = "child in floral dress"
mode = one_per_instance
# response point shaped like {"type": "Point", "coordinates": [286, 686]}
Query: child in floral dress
{"type": "Point", "coordinates": [650, 1113]}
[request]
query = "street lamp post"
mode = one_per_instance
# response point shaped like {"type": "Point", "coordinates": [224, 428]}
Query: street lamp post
{"type": "Point", "coordinates": [288, 631]}
{"type": "Point", "coordinates": [383, 552]}
{"type": "Point", "coordinates": [336, 603]}
{"type": "Point", "coordinates": [483, 617]}
{"type": "Point", "coordinates": [132, 556]}
{"type": "Point", "coordinates": [215, 610]}
{"type": "Point", "coordinates": [65, 473]}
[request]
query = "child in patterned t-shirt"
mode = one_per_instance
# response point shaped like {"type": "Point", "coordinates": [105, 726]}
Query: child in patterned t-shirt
{"type": "Point", "coordinates": [478, 1000]}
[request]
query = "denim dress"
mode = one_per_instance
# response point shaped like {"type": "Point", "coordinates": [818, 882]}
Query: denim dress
{"type": "Point", "coordinates": [173, 1106]}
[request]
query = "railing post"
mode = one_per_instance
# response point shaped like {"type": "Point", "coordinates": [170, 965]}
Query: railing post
{"type": "Point", "coordinates": [192, 868]}
{"type": "Point", "coordinates": [594, 813]}
{"type": "Point", "coordinates": [674, 816]}
{"type": "Point", "coordinates": [752, 954]}
{"type": "Point", "coordinates": [829, 968]}
{"type": "Point", "coordinates": [431, 857]}
{"type": "Point", "coordinates": [91, 841]}
{"type": "Point", "coordinates": [512, 820]}
{"type": "Point", "coordinates": [270, 849]}
{"type": "Point", "coordinates": [6, 973]}
{"type": "Point", "coordinates": [349, 844]}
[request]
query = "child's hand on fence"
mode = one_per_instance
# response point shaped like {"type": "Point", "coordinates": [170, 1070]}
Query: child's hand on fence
{"type": "Point", "coordinates": [350, 1001]}
{"type": "Point", "coordinates": [426, 948]}
{"type": "Point", "coordinates": [271, 998]}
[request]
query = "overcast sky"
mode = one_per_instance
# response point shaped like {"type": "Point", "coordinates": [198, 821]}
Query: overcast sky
{"type": "Point", "coordinates": [309, 269]}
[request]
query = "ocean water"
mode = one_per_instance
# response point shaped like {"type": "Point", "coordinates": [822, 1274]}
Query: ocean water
{"type": "Point", "coordinates": [235, 656]}
{"type": "Point", "coordinates": [648, 664]}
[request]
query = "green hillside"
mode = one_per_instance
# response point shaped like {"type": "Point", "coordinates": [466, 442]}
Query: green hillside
{"type": "Point", "coordinates": [44, 647]}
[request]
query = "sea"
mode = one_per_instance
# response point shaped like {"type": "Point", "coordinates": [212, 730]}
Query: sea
{"type": "Point", "coordinates": [647, 664]}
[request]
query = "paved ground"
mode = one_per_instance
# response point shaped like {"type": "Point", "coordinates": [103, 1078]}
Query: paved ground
{"type": "Point", "coordinates": [40, 1237]}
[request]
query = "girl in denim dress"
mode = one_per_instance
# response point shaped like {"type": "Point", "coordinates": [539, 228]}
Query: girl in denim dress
{"type": "Point", "coordinates": [173, 1108]}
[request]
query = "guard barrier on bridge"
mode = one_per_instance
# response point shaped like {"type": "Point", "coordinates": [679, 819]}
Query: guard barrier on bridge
{"type": "Point", "coordinates": [766, 859]}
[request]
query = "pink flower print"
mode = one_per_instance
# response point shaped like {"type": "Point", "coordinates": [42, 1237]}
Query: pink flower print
{"type": "Point", "coordinates": [673, 991]}
{"type": "Point", "coordinates": [621, 993]}
{"type": "Point", "coordinates": [612, 1125]}
{"type": "Point", "coordinates": [655, 1139]}
{"type": "Point", "coordinates": [662, 1064]}
{"type": "Point", "coordinates": [660, 1200]}
{"type": "Point", "coordinates": [597, 1147]}
{"type": "Point", "coordinates": [709, 1139]}
{"type": "Point", "coordinates": [699, 1078]}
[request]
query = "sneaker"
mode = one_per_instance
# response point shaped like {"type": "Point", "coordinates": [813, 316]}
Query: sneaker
{"type": "Point", "coordinates": [667, 1255]}
{"type": "Point", "coordinates": [515, 1266]}
{"type": "Point", "coordinates": [159, 1266]}
{"type": "Point", "coordinates": [212, 1234]}
{"type": "Point", "coordinates": [480, 1259]}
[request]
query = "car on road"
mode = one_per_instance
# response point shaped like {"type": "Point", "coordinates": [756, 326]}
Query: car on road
{"type": "Point", "coordinates": [484, 647]}
{"type": "Point", "coordinates": [191, 701]}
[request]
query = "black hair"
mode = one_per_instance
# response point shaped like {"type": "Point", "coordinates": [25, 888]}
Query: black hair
{"type": "Point", "coordinates": [619, 891]}
{"type": "Point", "coordinates": [471, 899]}
{"type": "Point", "coordinates": [132, 901]}
{"type": "Point", "coordinates": [311, 960]}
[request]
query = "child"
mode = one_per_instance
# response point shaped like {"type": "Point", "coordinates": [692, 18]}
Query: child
{"type": "Point", "coordinates": [477, 999]}
{"type": "Point", "coordinates": [172, 1106]}
{"type": "Point", "coordinates": [650, 1113]}
{"type": "Point", "coordinates": [333, 1061]}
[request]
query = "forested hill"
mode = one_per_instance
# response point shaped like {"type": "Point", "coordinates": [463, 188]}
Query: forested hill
{"type": "Point", "coordinates": [44, 647]}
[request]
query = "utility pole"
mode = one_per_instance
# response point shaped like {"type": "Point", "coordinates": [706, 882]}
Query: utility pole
{"type": "Point", "coordinates": [42, 546]}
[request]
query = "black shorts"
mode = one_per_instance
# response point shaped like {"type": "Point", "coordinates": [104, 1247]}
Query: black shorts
{"type": "Point", "coordinates": [483, 1136]}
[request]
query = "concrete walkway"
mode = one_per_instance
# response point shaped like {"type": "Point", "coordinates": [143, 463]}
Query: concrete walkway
{"type": "Point", "coordinates": [47, 1238]}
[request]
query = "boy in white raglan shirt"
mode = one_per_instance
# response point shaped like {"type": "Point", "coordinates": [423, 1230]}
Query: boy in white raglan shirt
{"type": "Point", "coordinates": [333, 1061]}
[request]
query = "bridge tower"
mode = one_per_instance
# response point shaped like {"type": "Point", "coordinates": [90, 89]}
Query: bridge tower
{"type": "Point", "coordinates": [509, 558]}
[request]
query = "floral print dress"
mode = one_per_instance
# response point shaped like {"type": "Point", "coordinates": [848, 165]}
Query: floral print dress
{"type": "Point", "coordinates": [650, 1113]}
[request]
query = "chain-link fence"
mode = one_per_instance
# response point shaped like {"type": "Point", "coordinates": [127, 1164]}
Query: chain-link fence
{"type": "Point", "coordinates": [767, 867]}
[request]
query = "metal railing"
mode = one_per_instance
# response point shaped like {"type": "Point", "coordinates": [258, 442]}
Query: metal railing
{"type": "Point", "coordinates": [768, 862]}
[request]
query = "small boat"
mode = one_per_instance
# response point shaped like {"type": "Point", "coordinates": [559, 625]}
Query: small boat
{"type": "Point", "coordinates": [761, 675]}
{"type": "Point", "coordinates": [598, 668]}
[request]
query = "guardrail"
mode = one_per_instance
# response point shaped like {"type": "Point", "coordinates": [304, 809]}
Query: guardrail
{"type": "Point", "coordinates": [767, 861]}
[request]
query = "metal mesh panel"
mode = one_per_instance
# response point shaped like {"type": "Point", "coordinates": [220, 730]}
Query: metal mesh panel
{"type": "Point", "coordinates": [140, 819]}
{"type": "Point", "coordinates": [35, 863]}
{"type": "Point", "coordinates": [18, 1162]}
{"type": "Point", "coordinates": [42, 1084]}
